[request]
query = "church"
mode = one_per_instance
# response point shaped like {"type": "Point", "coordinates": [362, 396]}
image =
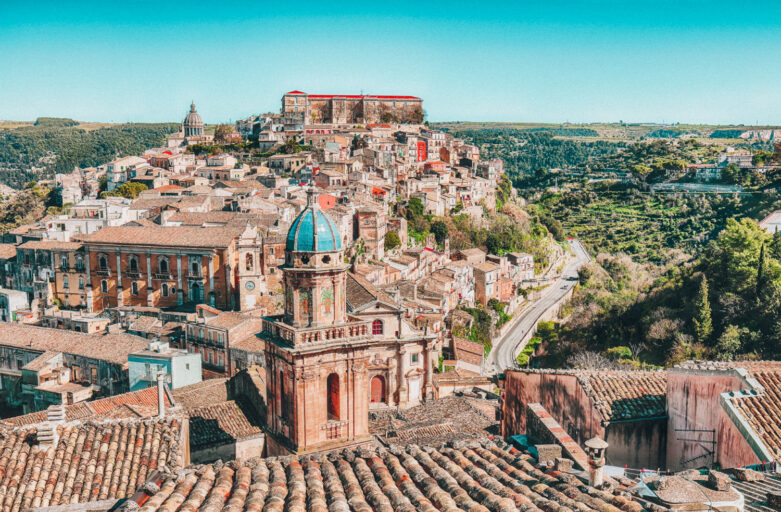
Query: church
{"type": "Point", "coordinates": [341, 349]}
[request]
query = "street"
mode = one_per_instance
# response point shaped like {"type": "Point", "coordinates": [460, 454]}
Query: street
{"type": "Point", "coordinates": [506, 348]}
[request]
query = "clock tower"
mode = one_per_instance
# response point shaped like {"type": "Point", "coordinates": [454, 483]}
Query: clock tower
{"type": "Point", "coordinates": [252, 283]}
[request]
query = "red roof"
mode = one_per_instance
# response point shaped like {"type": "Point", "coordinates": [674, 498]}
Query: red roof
{"type": "Point", "coordinates": [295, 92]}
{"type": "Point", "coordinates": [378, 191]}
{"type": "Point", "coordinates": [168, 187]}
{"type": "Point", "coordinates": [359, 96]}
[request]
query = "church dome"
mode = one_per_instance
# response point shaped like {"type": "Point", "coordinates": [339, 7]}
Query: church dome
{"type": "Point", "coordinates": [313, 231]}
{"type": "Point", "coordinates": [193, 118]}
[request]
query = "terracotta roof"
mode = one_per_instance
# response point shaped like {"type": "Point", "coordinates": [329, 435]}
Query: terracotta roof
{"type": "Point", "coordinates": [207, 392]}
{"type": "Point", "coordinates": [478, 476]}
{"type": "Point", "coordinates": [625, 395]}
{"type": "Point", "coordinates": [48, 245]}
{"type": "Point", "coordinates": [113, 348]}
{"type": "Point", "coordinates": [142, 403]}
{"type": "Point", "coordinates": [468, 351]}
{"type": "Point", "coordinates": [361, 292]}
{"type": "Point", "coordinates": [221, 423]}
{"type": "Point", "coordinates": [446, 419]}
{"type": "Point", "coordinates": [170, 236]}
{"type": "Point", "coordinates": [7, 251]}
{"type": "Point", "coordinates": [90, 462]}
{"type": "Point", "coordinates": [763, 411]}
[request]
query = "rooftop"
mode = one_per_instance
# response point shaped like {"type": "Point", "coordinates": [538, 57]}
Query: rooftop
{"type": "Point", "coordinates": [477, 476]}
{"type": "Point", "coordinates": [113, 348]}
{"type": "Point", "coordinates": [172, 236]}
{"type": "Point", "coordinates": [90, 462]}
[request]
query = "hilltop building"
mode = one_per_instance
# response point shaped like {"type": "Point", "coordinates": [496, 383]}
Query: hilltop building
{"type": "Point", "coordinates": [192, 126]}
{"type": "Point", "coordinates": [300, 108]}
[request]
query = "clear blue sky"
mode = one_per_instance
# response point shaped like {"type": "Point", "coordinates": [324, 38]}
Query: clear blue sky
{"type": "Point", "coordinates": [633, 60]}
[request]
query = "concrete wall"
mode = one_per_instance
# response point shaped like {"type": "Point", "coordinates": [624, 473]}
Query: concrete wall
{"type": "Point", "coordinates": [693, 404]}
{"type": "Point", "coordinates": [245, 448]}
{"type": "Point", "coordinates": [638, 444]}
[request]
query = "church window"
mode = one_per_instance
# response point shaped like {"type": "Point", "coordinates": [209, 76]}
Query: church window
{"type": "Point", "coordinates": [134, 288]}
{"type": "Point", "coordinates": [414, 358]}
{"type": "Point", "coordinates": [104, 286]}
{"type": "Point", "coordinates": [249, 262]}
{"type": "Point", "coordinates": [333, 397]}
{"type": "Point", "coordinates": [103, 262]}
{"type": "Point", "coordinates": [163, 265]}
{"type": "Point", "coordinates": [377, 327]}
{"type": "Point", "coordinates": [133, 260]}
{"type": "Point", "coordinates": [165, 289]}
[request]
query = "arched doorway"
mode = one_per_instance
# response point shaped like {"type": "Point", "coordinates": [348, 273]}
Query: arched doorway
{"type": "Point", "coordinates": [333, 397]}
{"type": "Point", "coordinates": [377, 389]}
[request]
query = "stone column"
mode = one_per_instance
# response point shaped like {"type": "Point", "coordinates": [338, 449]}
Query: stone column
{"type": "Point", "coordinates": [120, 299]}
{"type": "Point", "coordinates": [179, 291]}
{"type": "Point", "coordinates": [150, 293]}
{"type": "Point", "coordinates": [402, 376]}
{"type": "Point", "coordinates": [428, 388]}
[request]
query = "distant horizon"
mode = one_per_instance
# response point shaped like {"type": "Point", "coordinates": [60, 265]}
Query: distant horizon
{"type": "Point", "coordinates": [668, 61]}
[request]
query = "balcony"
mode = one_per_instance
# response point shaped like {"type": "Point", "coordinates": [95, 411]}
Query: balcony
{"type": "Point", "coordinates": [334, 429]}
{"type": "Point", "coordinates": [195, 275]}
{"type": "Point", "coordinates": [103, 272]}
{"type": "Point", "coordinates": [134, 274]}
{"type": "Point", "coordinates": [331, 333]}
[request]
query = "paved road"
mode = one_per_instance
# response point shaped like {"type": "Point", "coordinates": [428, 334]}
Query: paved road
{"type": "Point", "coordinates": [505, 349]}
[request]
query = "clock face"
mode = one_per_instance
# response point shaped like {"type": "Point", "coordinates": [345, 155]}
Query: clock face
{"type": "Point", "coordinates": [250, 285]}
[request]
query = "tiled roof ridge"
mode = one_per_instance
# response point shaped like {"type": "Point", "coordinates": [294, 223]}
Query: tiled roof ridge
{"type": "Point", "coordinates": [175, 414]}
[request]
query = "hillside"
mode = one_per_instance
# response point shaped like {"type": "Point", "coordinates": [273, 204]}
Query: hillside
{"type": "Point", "coordinates": [31, 151]}
{"type": "Point", "coordinates": [640, 302]}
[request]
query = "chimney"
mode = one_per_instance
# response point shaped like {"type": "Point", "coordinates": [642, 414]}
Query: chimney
{"type": "Point", "coordinates": [160, 395]}
{"type": "Point", "coordinates": [595, 448]}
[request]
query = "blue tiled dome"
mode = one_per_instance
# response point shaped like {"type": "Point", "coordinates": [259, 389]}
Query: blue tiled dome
{"type": "Point", "coordinates": [301, 236]}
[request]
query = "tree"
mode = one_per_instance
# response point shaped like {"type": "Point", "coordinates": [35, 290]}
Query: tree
{"type": "Point", "coordinates": [760, 272]}
{"type": "Point", "coordinates": [732, 174]}
{"type": "Point", "coordinates": [129, 190]}
{"type": "Point", "coordinates": [392, 240]}
{"type": "Point", "coordinates": [291, 146]}
{"type": "Point", "coordinates": [588, 360]}
{"type": "Point", "coordinates": [703, 326]}
{"type": "Point", "coordinates": [222, 132]}
{"type": "Point", "coordinates": [775, 245]}
{"type": "Point", "coordinates": [729, 343]}
{"type": "Point", "coordinates": [440, 231]}
{"type": "Point", "coordinates": [777, 153]}
{"type": "Point", "coordinates": [415, 206]}
{"type": "Point", "coordinates": [493, 243]}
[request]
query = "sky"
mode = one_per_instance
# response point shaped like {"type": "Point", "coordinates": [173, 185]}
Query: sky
{"type": "Point", "coordinates": [688, 61]}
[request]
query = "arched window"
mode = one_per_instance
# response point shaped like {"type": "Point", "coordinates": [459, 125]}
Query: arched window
{"type": "Point", "coordinates": [333, 397]}
{"type": "Point", "coordinates": [104, 286]}
{"type": "Point", "coordinates": [249, 262]}
{"type": "Point", "coordinates": [64, 261]}
{"type": "Point", "coordinates": [134, 288]}
{"type": "Point", "coordinates": [81, 283]}
{"type": "Point", "coordinates": [162, 264]}
{"type": "Point", "coordinates": [133, 260]}
{"type": "Point", "coordinates": [377, 327]}
{"type": "Point", "coordinates": [103, 262]}
{"type": "Point", "coordinates": [165, 289]}
{"type": "Point", "coordinates": [378, 389]}
{"type": "Point", "coordinates": [65, 283]}
{"type": "Point", "coordinates": [79, 263]}
{"type": "Point", "coordinates": [196, 268]}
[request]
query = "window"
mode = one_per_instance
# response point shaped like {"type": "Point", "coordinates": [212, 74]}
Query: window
{"type": "Point", "coordinates": [377, 327]}
{"type": "Point", "coordinates": [163, 265]}
{"type": "Point", "coordinates": [200, 333]}
{"type": "Point", "coordinates": [414, 358]}
{"type": "Point", "coordinates": [187, 366]}
{"type": "Point", "coordinates": [104, 286]}
{"type": "Point", "coordinates": [165, 289]}
{"type": "Point", "coordinates": [196, 268]}
{"type": "Point", "coordinates": [134, 288]}
{"type": "Point", "coordinates": [64, 261]}
{"type": "Point", "coordinates": [103, 262]}
{"type": "Point", "coordinates": [219, 338]}
{"type": "Point", "coordinates": [79, 263]}
{"type": "Point", "coordinates": [333, 397]}
{"type": "Point", "coordinates": [81, 283]}
{"type": "Point", "coordinates": [249, 265]}
{"type": "Point", "coordinates": [133, 260]}
{"type": "Point", "coordinates": [93, 374]}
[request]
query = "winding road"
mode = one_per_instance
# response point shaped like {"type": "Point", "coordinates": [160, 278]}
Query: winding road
{"type": "Point", "coordinates": [507, 348]}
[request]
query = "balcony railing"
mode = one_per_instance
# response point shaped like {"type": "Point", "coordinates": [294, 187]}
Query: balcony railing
{"type": "Point", "coordinates": [351, 330]}
{"type": "Point", "coordinates": [195, 275]}
{"type": "Point", "coordinates": [334, 429]}
{"type": "Point", "coordinates": [103, 272]}
{"type": "Point", "coordinates": [163, 276]}
{"type": "Point", "coordinates": [134, 274]}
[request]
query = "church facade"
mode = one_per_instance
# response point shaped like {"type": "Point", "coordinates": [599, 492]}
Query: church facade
{"type": "Point", "coordinates": [341, 348]}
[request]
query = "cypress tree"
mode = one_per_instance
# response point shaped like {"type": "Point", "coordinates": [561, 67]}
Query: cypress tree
{"type": "Point", "coordinates": [760, 272]}
{"type": "Point", "coordinates": [703, 326]}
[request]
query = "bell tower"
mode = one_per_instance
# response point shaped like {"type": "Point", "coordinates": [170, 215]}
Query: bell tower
{"type": "Point", "coordinates": [316, 356]}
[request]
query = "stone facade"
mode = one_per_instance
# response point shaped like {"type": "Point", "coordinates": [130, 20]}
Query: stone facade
{"type": "Point", "coordinates": [350, 109]}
